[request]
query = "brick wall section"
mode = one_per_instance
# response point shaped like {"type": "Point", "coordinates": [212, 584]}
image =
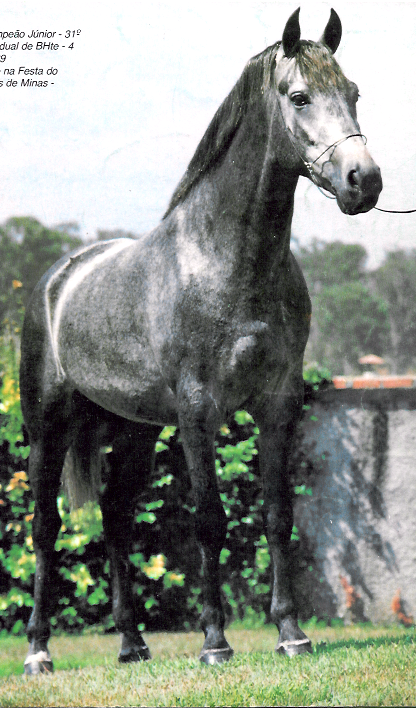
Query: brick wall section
{"type": "Point", "coordinates": [374, 381]}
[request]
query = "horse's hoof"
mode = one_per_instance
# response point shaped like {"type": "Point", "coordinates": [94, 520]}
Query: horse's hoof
{"type": "Point", "coordinates": [294, 647]}
{"type": "Point", "coordinates": [40, 663]}
{"type": "Point", "coordinates": [127, 656]}
{"type": "Point", "coordinates": [215, 656]}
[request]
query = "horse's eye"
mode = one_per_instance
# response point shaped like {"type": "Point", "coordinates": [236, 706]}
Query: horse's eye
{"type": "Point", "coordinates": [299, 100]}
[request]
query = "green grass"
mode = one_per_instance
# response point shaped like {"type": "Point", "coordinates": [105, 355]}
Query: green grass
{"type": "Point", "coordinates": [356, 665]}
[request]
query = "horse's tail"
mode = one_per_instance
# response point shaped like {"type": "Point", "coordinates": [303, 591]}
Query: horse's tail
{"type": "Point", "coordinates": [81, 475]}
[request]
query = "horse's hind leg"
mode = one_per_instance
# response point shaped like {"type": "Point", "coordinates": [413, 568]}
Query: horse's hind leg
{"type": "Point", "coordinates": [49, 442]}
{"type": "Point", "coordinates": [277, 422]}
{"type": "Point", "coordinates": [130, 464]}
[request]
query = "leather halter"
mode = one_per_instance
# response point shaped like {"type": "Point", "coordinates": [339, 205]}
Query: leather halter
{"type": "Point", "coordinates": [338, 142]}
{"type": "Point", "coordinates": [334, 145]}
{"type": "Point", "coordinates": [308, 165]}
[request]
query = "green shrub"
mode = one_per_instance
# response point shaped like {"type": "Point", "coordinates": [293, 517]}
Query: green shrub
{"type": "Point", "coordinates": [165, 559]}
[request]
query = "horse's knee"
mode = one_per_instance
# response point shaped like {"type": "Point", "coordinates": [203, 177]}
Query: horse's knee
{"type": "Point", "coordinates": [211, 525]}
{"type": "Point", "coordinates": [278, 523]}
{"type": "Point", "coordinates": [45, 527]}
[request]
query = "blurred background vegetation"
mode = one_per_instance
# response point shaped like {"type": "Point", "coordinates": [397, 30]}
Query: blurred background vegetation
{"type": "Point", "coordinates": [358, 312]}
{"type": "Point", "coordinates": [355, 312]}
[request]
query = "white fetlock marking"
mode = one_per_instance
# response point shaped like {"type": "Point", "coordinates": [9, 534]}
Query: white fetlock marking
{"type": "Point", "coordinates": [39, 657]}
{"type": "Point", "coordinates": [211, 651]}
{"type": "Point", "coordinates": [293, 642]}
{"type": "Point", "coordinates": [136, 647]}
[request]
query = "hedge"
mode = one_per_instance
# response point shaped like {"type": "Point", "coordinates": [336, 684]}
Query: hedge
{"type": "Point", "coordinates": [165, 566]}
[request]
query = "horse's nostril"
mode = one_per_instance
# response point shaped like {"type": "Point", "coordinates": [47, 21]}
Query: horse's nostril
{"type": "Point", "coordinates": [353, 179]}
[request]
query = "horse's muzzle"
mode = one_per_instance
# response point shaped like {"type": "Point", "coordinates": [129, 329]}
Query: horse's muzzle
{"type": "Point", "coordinates": [360, 189]}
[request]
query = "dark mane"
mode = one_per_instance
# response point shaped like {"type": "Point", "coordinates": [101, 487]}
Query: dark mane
{"type": "Point", "coordinates": [316, 65]}
{"type": "Point", "coordinates": [252, 82]}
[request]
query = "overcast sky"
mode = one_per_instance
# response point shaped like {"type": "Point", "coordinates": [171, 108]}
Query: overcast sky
{"type": "Point", "coordinates": [107, 143]}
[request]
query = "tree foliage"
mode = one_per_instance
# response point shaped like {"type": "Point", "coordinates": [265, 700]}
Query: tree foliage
{"type": "Point", "coordinates": [107, 234]}
{"type": "Point", "coordinates": [349, 317]}
{"type": "Point", "coordinates": [165, 559]}
{"type": "Point", "coordinates": [328, 264]}
{"type": "Point", "coordinates": [27, 250]}
{"type": "Point", "coordinates": [355, 313]}
{"type": "Point", "coordinates": [352, 322]}
{"type": "Point", "coordinates": [396, 282]}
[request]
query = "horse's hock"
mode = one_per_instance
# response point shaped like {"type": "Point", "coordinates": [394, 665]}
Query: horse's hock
{"type": "Point", "coordinates": [359, 526]}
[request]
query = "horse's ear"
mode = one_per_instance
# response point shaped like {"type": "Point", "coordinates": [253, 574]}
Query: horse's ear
{"type": "Point", "coordinates": [291, 35]}
{"type": "Point", "coordinates": [333, 32]}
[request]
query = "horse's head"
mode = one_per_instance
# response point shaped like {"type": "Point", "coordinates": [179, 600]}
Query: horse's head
{"type": "Point", "coordinates": [317, 105]}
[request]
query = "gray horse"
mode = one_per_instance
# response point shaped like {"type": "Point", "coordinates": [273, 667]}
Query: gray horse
{"type": "Point", "coordinates": [206, 314]}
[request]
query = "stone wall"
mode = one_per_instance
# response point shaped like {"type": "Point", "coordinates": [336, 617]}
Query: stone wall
{"type": "Point", "coordinates": [358, 529]}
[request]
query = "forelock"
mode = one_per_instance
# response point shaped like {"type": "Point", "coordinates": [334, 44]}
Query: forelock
{"type": "Point", "coordinates": [319, 68]}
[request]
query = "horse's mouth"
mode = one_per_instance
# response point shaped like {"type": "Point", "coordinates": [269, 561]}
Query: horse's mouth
{"type": "Point", "coordinates": [352, 207]}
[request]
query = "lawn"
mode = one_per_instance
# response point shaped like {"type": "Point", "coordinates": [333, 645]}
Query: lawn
{"type": "Point", "coordinates": [357, 665]}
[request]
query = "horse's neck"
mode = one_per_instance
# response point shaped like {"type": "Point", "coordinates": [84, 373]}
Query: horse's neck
{"type": "Point", "coordinates": [250, 194]}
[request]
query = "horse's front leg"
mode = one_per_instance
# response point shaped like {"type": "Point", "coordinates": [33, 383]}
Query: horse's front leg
{"type": "Point", "coordinates": [198, 419]}
{"type": "Point", "coordinates": [277, 422]}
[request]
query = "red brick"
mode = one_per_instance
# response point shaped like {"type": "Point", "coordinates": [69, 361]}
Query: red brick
{"type": "Point", "coordinates": [364, 382]}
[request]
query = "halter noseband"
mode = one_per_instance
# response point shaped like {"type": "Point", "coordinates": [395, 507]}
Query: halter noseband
{"type": "Point", "coordinates": [334, 145]}
{"type": "Point", "coordinates": [308, 165]}
{"type": "Point", "coordinates": [338, 142]}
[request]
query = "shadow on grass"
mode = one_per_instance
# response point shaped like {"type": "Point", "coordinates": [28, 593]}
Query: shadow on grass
{"type": "Point", "coordinates": [328, 647]}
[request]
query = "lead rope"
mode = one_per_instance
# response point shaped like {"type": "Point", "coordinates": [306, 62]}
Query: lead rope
{"type": "Point", "coordinates": [308, 166]}
{"type": "Point", "coordinates": [329, 196]}
{"type": "Point", "coordinates": [396, 211]}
